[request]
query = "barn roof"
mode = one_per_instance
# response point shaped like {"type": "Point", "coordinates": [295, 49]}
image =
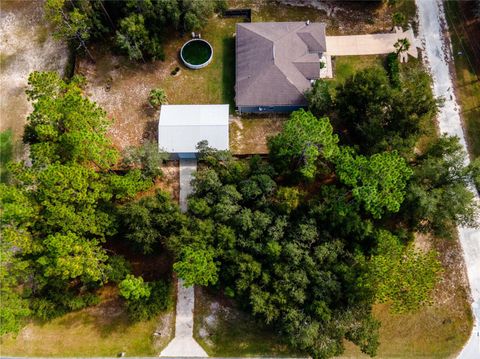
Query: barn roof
{"type": "Point", "coordinates": [181, 127]}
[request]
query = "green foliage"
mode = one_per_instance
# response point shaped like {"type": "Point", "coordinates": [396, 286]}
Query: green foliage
{"type": "Point", "coordinates": [117, 268]}
{"type": "Point", "coordinates": [393, 69]}
{"type": "Point", "coordinates": [149, 221]}
{"type": "Point", "coordinates": [197, 266]}
{"type": "Point", "coordinates": [147, 157]}
{"type": "Point", "coordinates": [403, 276]}
{"type": "Point", "coordinates": [138, 26]}
{"type": "Point", "coordinates": [144, 300]}
{"type": "Point", "coordinates": [133, 288]}
{"type": "Point", "coordinates": [72, 25]}
{"type": "Point", "coordinates": [128, 185]}
{"type": "Point", "coordinates": [157, 97]}
{"type": "Point", "coordinates": [14, 308]}
{"type": "Point", "coordinates": [380, 117]}
{"type": "Point", "coordinates": [398, 19]}
{"type": "Point", "coordinates": [401, 45]}
{"type": "Point", "coordinates": [378, 182]}
{"type": "Point", "coordinates": [304, 141]}
{"type": "Point", "coordinates": [438, 196]}
{"type": "Point", "coordinates": [6, 154]}
{"type": "Point", "coordinates": [56, 213]}
{"type": "Point", "coordinates": [319, 98]}
{"type": "Point", "coordinates": [65, 126]}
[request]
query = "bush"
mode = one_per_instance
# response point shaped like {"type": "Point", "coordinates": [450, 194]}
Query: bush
{"type": "Point", "coordinates": [175, 71]}
{"type": "Point", "coordinates": [143, 307]}
{"type": "Point", "coordinates": [393, 69]}
{"type": "Point", "coordinates": [117, 269]}
{"type": "Point", "coordinates": [157, 97]}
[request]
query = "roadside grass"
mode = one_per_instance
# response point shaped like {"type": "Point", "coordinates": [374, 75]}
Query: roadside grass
{"type": "Point", "coordinates": [101, 330]}
{"type": "Point", "coordinates": [467, 81]}
{"type": "Point", "coordinates": [224, 330]}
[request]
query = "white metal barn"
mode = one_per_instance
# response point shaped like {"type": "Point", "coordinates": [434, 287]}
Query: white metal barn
{"type": "Point", "coordinates": [181, 127]}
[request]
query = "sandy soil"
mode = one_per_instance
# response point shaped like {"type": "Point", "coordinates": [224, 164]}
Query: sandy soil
{"type": "Point", "coordinates": [25, 46]}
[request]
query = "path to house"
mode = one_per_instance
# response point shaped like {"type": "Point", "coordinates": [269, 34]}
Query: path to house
{"type": "Point", "coordinates": [183, 345]}
{"type": "Point", "coordinates": [432, 22]}
{"type": "Point", "coordinates": [370, 44]}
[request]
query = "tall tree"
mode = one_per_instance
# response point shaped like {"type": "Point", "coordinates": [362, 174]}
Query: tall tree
{"type": "Point", "coordinates": [304, 141]}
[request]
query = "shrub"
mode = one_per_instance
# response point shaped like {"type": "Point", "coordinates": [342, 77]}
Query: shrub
{"type": "Point", "coordinates": [175, 71]}
{"type": "Point", "coordinates": [393, 69]}
{"type": "Point", "coordinates": [117, 269]}
{"type": "Point", "coordinates": [157, 97]}
{"type": "Point", "coordinates": [141, 306]}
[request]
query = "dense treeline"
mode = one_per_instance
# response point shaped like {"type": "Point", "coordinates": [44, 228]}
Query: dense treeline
{"type": "Point", "coordinates": [138, 28]}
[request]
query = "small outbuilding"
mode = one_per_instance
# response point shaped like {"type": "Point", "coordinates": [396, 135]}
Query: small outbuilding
{"type": "Point", "coordinates": [182, 127]}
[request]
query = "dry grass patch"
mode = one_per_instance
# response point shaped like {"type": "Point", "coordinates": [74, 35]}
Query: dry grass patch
{"type": "Point", "coordinates": [101, 330]}
{"type": "Point", "coordinates": [249, 135]}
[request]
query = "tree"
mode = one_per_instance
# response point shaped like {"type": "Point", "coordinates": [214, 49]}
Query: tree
{"type": "Point", "coordinates": [147, 157]}
{"type": "Point", "coordinates": [378, 182]}
{"type": "Point", "coordinates": [438, 195]}
{"type": "Point", "coordinates": [303, 142]}
{"type": "Point", "coordinates": [69, 25]}
{"type": "Point", "coordinates": [378, 117]}
{"type": "Point", "coordinates": [150, 220]}
{"type": "Point", "coordinates": [401, 45]}
{"type": "Point", "coordinates": [65, 126]}
{"type": "Point", "coordinates": [56, 214]}
{"type": "Point", "coordinates": [319, 98]}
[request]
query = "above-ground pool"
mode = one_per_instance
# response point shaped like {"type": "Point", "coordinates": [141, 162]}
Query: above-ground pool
{"type": "Point", "coordinates": [196, 53]}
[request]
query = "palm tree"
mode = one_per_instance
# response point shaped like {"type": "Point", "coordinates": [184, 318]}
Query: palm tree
{"type": "Point", "coordinates": [402, 45]}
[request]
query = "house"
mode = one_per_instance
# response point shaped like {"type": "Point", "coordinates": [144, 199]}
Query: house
{"type": "Point", "coordinates": [276, 62]}
{"type": "Point", "coordinates": [182, 127]}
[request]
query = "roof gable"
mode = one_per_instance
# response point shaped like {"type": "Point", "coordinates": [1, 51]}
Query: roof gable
{"type": "Point", "coordinates": [292, 48]}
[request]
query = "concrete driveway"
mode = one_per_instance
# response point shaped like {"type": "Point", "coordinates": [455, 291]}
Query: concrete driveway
{"type": "Point", "coordinates": [373, 44]}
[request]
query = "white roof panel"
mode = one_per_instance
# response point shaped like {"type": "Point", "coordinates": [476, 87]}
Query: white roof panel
{"type": "Point", "coordinates": [181, 127]}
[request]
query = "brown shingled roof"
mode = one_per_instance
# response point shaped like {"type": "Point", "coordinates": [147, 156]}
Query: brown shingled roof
{"type": "Point", "coordinates": [276, 61]}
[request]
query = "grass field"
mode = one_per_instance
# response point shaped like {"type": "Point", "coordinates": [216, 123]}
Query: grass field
{"type": "Point", "coordinates": [101, 330]}
{"type": "Point", "coordinates": [466, 50]}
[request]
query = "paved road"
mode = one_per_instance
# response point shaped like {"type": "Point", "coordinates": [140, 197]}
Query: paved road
{"type": "Point", "coordinates": [369, 44]}
{"type": "Point", "coordinates": [183, 345]}
{"type": "Point", "coordinates": [437, 52]}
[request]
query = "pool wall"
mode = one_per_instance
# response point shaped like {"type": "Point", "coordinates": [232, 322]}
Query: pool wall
{"type": "Point", "coordinates": [192, 66]}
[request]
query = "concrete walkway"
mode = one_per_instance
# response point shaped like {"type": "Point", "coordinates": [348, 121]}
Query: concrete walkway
{"type": "Point", "coordinates": [373, 44]}
{"type": "Point", "coordinates": [431, 18]}
{"type": "Point", "coordinates": [183, 345]}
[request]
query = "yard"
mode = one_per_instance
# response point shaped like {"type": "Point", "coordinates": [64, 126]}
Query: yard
{"type": "Point", "coordinates": [101, 330]}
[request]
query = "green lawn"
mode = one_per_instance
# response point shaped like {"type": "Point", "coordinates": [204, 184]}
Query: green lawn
{"type": "Point", "coordinates": [467, 82]}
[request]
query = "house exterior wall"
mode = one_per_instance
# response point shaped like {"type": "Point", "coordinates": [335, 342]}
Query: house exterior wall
{"type": "Point", "coordinates": [268, 109]}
